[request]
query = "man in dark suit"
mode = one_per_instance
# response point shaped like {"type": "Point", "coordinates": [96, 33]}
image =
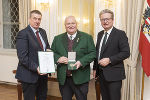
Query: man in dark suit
{"type": "Point", "coordinates": [76, 81]}
{"type": "Point", "coordinates": [28, 42]}
{"type": "Point", "coordinates": [112, 48]}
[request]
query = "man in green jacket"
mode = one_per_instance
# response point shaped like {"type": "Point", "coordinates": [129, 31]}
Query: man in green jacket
{"type": "Point", "coordinates": [73, 81]}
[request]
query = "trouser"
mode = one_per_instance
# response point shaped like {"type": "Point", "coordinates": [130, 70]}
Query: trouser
{"type": "Point", "coordinates": [38, 89]}
{"type": "Point", "coordinates": [110, 90]}
{"type": "Point", "coordinates": [69, 89]}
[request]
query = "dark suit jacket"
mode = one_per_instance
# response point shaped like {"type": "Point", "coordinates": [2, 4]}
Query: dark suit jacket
{"type": "Point", "coordinates": [117, 49]}
{"type": "Point", "coordinates": [27, 51]}
{"type": "Point", "coordinates": [85, 53]}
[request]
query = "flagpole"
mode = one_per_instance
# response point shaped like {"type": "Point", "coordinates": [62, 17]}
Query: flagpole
{"type": "Point", "coordinates": [142, 92]}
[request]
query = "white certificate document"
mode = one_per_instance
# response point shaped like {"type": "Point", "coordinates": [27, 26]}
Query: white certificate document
{"type": "Point", "coordinates": [71, 56]}
{"type": "Point", "coordinates": [46, 62]}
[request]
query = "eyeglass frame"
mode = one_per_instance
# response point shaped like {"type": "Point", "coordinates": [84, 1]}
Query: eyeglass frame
{"type": "Point", "coordinates": [105, 19]}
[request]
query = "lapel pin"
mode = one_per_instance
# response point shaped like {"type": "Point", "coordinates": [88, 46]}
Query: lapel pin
{"type": "Point", "coordinates": [78, 40]}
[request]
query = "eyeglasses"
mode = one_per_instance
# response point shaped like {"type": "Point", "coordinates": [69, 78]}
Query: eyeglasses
{"type": "Point", "coordinates": [70, 24]}
{"type": "Point", "coordinates": [105, 19]}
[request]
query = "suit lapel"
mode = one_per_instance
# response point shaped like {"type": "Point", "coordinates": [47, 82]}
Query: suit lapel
{"type": "Point", "coordinates": [32, 34]}
{"type": "Point", "coordinates": [42, 34]}
{"type": "Point", "coordinates": [76, 40]}
{"type": "Point", "coordinates": [100, 35]}
{"type": "Point", "coordinates": [65, 41]}
{"type": "Point", "coordinates": [109, 41]}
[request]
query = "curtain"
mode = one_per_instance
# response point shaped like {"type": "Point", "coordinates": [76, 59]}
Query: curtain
{"type": "Point", "coordinates": [132, 20]}
{"type": "Point", "coordinates": [25, 7]}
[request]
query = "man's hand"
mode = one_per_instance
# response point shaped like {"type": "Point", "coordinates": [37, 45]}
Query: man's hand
{"type": "Point", "coordinates": [63, 60]}
{"type": "Point", "coordinates": [94, 73]}
{"type": "Point", "coordinates": [77, 64]}
{"type": "Point", "coordinates": [48, 50]}
{"type": "Point", "coordinates": [104, 62]}
{"type": "Point", "coordinates": [38, 70]}
{"type": "Point", "coordinates": [53, 75]}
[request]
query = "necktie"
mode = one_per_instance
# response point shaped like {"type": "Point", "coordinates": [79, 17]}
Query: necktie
{"type": "Point", "coordinates": [70, 37]}
{"type": "Point", "coordinates": [39, 40]}
{"type": "Point", "coordinates": [70, 45]}
{"type": "Point", "coordinates": [103, 44]}
{"type": "Point", "coordinates": [104, 41]}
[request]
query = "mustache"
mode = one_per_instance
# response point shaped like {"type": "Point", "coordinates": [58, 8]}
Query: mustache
{"type": "Point", "coordinates": [105, 24]}
{"type": "Point", "coordinates": [71, 27]}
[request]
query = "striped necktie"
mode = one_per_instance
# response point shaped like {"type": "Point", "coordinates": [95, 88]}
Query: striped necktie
{"type": "Point", "coordinates": [103, 45]}
{"type": "Point", "coordinates": [39, 40]}
{"type": "Point", "coordinates": [71, 37]}
{"type": "Point", "coordinates": [104, 41]}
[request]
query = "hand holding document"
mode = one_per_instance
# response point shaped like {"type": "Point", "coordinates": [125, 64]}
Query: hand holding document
{"type": "Point", "coordinates": [46, 62]}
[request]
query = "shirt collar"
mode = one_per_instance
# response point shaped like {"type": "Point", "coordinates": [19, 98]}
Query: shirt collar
{"type": "Point", "coordinates": [73, 36]}
{"type": "Point", "coordinates": [33, 29]}
{"type": "Point", "coordinates": [109, 31]}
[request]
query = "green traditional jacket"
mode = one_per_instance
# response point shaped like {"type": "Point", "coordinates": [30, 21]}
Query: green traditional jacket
{"type": "Point", "coordinates": [85, 53]}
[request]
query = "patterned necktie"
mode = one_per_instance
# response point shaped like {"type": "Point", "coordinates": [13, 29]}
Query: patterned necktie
{"type": "Point", "coordinates": [70, 37]}
{"type": "Point", "coordinates": [104, 41]}
{"type": "Point", "coordinates": [70, 44]}
{"type": "Point", "coordinates": [39, 40]}
{"type": "Point", "coordinates": [103, 45]}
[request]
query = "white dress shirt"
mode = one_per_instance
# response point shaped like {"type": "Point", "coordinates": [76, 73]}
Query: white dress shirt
{"type": "Point", "coordinates": [73, 36]}
{"type": "Point", "coordinates": [101, 42]}
{"type": "Point", "coordinates": [43, 43]}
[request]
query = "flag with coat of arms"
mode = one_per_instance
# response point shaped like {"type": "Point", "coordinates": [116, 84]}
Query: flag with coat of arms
{"type": "Point", "coordinates": [144, 42]}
